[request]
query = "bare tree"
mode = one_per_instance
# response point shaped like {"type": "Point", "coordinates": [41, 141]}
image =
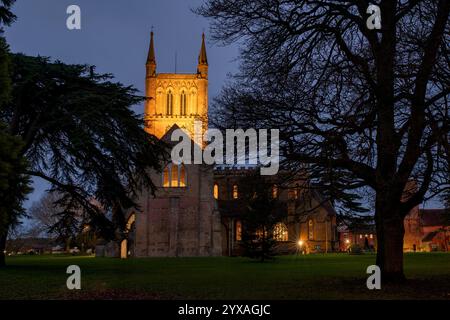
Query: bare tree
{"type": "Point", "coordinates": [50, 218]}
{"type": "Point", "coordinates": [44, 214]}
{"type": "Point", "coordinates": [358, 107]}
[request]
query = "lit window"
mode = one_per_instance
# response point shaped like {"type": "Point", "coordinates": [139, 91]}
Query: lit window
{"type": "Point", "coordinates": [216, 191]}
{"type": "Point", "coordinates": [274, 191]}
{"type": "Point", "coordinates": [235, 192]}
{"type": "Point", "coordinates": [174, 176]}
{"type": "Point", "coordinates": [371, 236]}
{"type": "Point", "coordinates": [169, 107]}
{"type": "Point", "coordinates": [360, 236]}
{"type": "Point", "coordinates": [183, 103]}
{"type": "Point", "coordinates": [366, 236]}
{"type": "Point", "coordinates": [238, 230]}
{"type": "Point", "coordinates": [260, 233]}
{"type": "Point", "coordinates": [166, 182]}
{"type": "Point", "coordinates": [182, 176]}
{"type": "Point", "coordinates": [310, 230]}
{"type": "Point", "coordinates": [280, 232]}
{"type": "Point", "coordinates": [296, 191]}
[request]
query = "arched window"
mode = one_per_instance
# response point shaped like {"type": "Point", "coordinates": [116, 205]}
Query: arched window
{"type": "Point", "coordinates": [274, 191]}
{"type": "Point", "coordinates": [159, 101]}
{"type": "Point", "coordinates": [174, 176]}
{"type": "Point", "coordinates": [166, 181]}
{"type": "Point", "coordinates": [296, 191]}
{"type": "Point", "coordinates": [238, 230]}
{"type": "Point", "coordinates": [183, 103]}
{"type": "Point", "coordinates": [193, 102]}
{"type": "Point", "coordinates": [280, 232]}
{"type": "Point", "coordinates": [235, 192]}
{"type": "Point", "coordinates": [310, 229]}
{"type": "Point", "coordinates": [169, 106]}
{"type": "Point", "coordinates": [182, 176]}
{"type": "Point", "coordinates": [216, 191]}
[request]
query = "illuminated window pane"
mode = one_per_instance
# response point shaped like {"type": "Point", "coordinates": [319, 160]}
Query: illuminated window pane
{"type": "Point", "coordinates": [238, 230]}
{"type": "Point", "coordinates": [183, 104]}
{"type": "Point", "coordinates": [235, 192]}
{"type": "Point", "coordinates": [297, 191]}
{"type": "Point", "coordinates": [182, 176]}
{"type": "Point", "coordinates": [166, 182]}
{"type": "Point", "coordinates": [371, 236]}
{"type": "Point", "coordinates": [280, 232]}
{"type": "Point", "coordinates": [169, 106]}
{"type": "Point", "coordinates": [216, 191]}
{"type": "Point", "coordinates": [174, 179]}
{"type": "Point", "coordinates": [274, 191]}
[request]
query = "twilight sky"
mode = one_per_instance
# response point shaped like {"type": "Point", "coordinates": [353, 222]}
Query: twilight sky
{"type": "Point", "coordinates": [115, 37]}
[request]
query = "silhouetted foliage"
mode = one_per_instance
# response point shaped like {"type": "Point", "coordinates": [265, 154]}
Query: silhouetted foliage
{"type": "Point", "coordinates": [6, 15]}
{"type": "Point", "coordinates": [262, 212]}
{"type": "Point", "coordinates": [80, 134]}
{"type": "Point", "coordinates": [13, 182]}
{"type": "Point", "coordinates": [369, 106]}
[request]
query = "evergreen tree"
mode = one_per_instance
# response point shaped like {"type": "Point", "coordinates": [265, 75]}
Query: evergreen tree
{"type": "Point", "coordinates": [81, 135]}
{"type": "Point", "coordinates": [14, 184]}
{"type": "Point", "coordinates": [262, 212]}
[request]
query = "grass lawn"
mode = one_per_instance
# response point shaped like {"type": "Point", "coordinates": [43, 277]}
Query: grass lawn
{"type": "Point", "coordinates": [332, 276]}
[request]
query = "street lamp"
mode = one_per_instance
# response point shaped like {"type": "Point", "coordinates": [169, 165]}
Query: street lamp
{"type": "Point", "coordinates": [300, 246]}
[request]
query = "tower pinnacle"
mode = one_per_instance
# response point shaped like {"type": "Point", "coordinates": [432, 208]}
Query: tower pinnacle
{"type": "Point", "coordinates": [202, 58]}
{"type": "Point", "coordinates": [202, 68]}
{"type": "Point", "coordinates": [151, 59]}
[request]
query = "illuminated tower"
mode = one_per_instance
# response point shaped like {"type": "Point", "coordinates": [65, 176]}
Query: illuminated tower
{"type": "Point", "coordinates": [174, 98]}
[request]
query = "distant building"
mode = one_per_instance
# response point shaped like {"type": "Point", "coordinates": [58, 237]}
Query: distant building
{"type": "Point", "coordinates": [429, 230]}
{"type": "Point", "coordinates": [29, 246]}
{"type": "Point", "coordinates": [425, 230]}
{"type": "Point", "coordinates": [363, 236]}
{"type": "Point", "coordinates": [310, 221]}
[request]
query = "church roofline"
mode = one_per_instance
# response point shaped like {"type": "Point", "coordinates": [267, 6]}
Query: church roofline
{"type": "Point", "coordinates": [167, 75]}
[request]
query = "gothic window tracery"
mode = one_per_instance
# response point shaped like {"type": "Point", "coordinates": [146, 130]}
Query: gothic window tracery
{"type": "Point", "coordinates": [169, 103]}
{"type": "Point", "coordinates": [183, 103]}
{"type": "Point", "coordinates": [174, 176]}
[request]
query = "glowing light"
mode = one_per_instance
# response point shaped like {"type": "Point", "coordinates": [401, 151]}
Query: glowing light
{"type": "Point", "coordinates": [300, 243]}
{"type": "Point", "coordinates": [347, 241]}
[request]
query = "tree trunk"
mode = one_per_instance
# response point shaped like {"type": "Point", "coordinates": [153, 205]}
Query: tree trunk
{"type": "Point", "coordinates": [2, 249]}
{"type": "Point", "coordinates": [390, 232]}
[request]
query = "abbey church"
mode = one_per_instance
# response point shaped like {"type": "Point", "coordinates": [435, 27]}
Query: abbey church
{"type": "Point", "coordinates": [197, 209]}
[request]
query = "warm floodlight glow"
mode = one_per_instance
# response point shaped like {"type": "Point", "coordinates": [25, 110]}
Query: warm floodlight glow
{"type": "Point", "coordinates": [300, 243]}
{"type": "Point", "coordinates": [347, 241]}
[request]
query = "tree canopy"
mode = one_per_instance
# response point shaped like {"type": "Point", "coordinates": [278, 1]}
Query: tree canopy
{"type": "Point", "coordinates": [81, 135]}
{"type": "Point", "coordinates": [14, 183]}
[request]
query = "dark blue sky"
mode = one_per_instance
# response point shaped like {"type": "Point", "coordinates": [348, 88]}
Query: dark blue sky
{"type": "Point", "coordinates": [115, 37]}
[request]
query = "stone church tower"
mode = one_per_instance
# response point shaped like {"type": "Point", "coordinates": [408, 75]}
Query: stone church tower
{"type": "Point", "coordinates": [181, 219]}
{"type": "Point", "coordinates": [174, 98]}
